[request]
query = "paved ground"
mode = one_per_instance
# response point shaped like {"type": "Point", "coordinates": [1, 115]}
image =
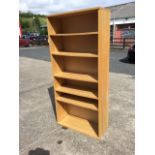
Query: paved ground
{"type": "Point", "coordinates": [39, 132]}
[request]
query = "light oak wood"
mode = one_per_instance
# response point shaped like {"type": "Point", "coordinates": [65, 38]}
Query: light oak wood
{"type": "Point", "coordinates": [81, 125]}
{"type": "Point", "coordinates": [77, 76]}
{"type": "Point", "coordinates": [75, 34]}
{"type": "Point", "coordinates": [72, 23]}
{"type": "Point", "coordinates": [74, 65]}
{"type": "Point", "coordinates": [74, 54]}
{"type": "Point", "coordinates": [87, 114]}
{"type": "Point", "coordinates": [79, 91]}
{"type": "Point", "coordinates": [79, 50]}
{"type": "Point", "coordinates": [77, 43]}
{"type": "Point", "coordinates": [103, 68]}
{"type": "Point", "coordinates": [79, 101]}
{"type": "Point", "coordinates": [75, 12]}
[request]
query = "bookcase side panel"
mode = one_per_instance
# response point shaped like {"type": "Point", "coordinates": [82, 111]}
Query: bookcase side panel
{"type": "Point", "coordinates": [60, 112]}
{"type": "Point", "coordinates": [49, 28]}
{"type": "Point", "coordinates": [103, 68]}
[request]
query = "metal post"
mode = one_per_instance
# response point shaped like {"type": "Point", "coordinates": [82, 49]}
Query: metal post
{"type": "Point", "coordinates": [123, 43]}
{"type": "Point", "coordinates": [114, 28]}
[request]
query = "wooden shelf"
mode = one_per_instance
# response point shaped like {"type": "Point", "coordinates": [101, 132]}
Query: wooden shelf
{"type": "Point", "coordinates": [78, 91]}
{"type": "Point", "coordinates": [77, 76]}
{"type": "Point", "coordinates": [75, 34]}
{"type": "Point", "coordinates": [78, 101]}
{"type": "Point", "coordinates": [79, 124]}
{"type": "Point", "coordinates": [75, 54]}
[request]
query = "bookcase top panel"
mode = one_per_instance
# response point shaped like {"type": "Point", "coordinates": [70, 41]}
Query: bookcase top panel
{"type": "Point", "coordinates": [75, 12]}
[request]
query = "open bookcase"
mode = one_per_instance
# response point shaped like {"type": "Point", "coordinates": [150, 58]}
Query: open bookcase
{"type": "Point", "coordinates": [79, 50]}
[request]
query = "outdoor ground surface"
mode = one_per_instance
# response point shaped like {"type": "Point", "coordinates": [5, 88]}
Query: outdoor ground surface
{"type": "Point", "coordinates": [39, 132]}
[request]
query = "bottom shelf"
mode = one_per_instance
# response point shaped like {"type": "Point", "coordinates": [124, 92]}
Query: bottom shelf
{"type": "Point", "coordinates": [81, 125]}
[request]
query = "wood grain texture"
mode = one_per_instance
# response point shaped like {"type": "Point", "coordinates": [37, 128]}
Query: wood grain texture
{"type": "Point", "coordinates": [77, 76]}
{"type": "Point", "coordinates": [80, 125]}
{"type": "Point", "coordinates": [76, 12]}
{"type": "Point", "coordinates": [77, 43]}
{"type": "Point", "coordinates": [103, 68]}
{"type": "Point", "coordinates": [74, 54]}
{"type": "Point", "coordinates": [76, 65]}
{"type": "Point", "coordinates": [78, 91]}
{"type": "Point", "coordinates": [79, 101]}
{"type": "Point", "coordinates": [75, 34]}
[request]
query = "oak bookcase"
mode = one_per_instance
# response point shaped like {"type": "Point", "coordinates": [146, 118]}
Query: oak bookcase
{"type": "Point", "coordinates": [79, 50]}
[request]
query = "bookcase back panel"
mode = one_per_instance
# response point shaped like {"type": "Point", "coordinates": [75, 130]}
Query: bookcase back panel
{"type": "Point", "coordinates": [82, 85]}
{"type": "Point", "coordinates": [80, 65]}
{"type": "Point", "coordinates": [85, 43]}
{"type": "Point", "coordinates": [79, 23]}
{"type": "Point", "coordinates": [80, 112]}
{"type": "Point", "coordinates": [76, 84]}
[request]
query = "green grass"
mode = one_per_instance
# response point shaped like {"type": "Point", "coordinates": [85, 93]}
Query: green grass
{"type": "Point", "coordinates": [42, 20]}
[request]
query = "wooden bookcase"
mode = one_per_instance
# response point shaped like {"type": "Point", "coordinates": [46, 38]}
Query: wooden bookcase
{"type": "Point", "coordinates": [79, 50]}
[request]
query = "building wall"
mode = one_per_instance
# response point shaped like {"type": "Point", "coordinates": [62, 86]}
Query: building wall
{"type": "Point", "coordinates": [122, 34]}
{"type": "Point", "coordinates": [124, 30]}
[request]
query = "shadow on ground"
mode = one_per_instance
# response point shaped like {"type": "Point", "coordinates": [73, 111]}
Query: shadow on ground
{"type": "Point", "coordinates": [52, 98]}
{"type": "Point", "coordinates": [39, 151]}
{"type": "Point", "coordinates": [125, 60]}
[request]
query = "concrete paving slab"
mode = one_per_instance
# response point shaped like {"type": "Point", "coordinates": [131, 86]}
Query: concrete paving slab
{"type": "Point", "coordinates": [33, 74]}
{"type": "Point", "coordinates": [39, 132]}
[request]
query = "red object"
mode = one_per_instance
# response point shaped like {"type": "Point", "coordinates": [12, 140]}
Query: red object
{"type": "Point", "coordinates": [20, 30]}
{"type": "Point", "coordinates": [24, 42]}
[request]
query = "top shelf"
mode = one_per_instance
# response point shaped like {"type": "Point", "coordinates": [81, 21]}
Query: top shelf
{"type": "Point", "coordinates": [75, 12]}
{"type": "Point", "coordinates": [75, 34]}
